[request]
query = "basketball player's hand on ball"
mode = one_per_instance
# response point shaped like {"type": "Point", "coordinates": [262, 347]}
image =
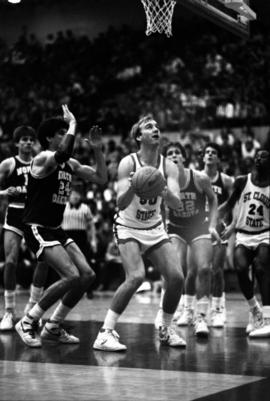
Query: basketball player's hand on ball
{"type": "Point", "coordinates": [130, 180]}
{"type": "Point", "coordinates": [95, 137]}
{"type": "Point", "coordinates": [13, 191]}
{"type": "Point", "coordinates": [214, 234]}
{"type": "Point", "coordinates": [67, 115]}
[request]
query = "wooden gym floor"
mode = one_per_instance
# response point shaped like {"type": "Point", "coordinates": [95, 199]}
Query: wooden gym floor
{"type": "Point", "coordinates": [226, 366]}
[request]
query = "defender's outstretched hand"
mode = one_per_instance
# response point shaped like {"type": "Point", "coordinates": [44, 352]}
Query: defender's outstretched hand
{"type": "Point", "coordinates": [67, 115]}
{"type": "Point", "coordinates": [95, 137]}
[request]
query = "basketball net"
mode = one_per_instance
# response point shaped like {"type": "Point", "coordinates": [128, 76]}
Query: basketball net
{"type": "Point", "coordinates": [159, 16]}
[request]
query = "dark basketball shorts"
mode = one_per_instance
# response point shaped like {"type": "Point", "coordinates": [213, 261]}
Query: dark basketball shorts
{"type": "Point", "coordinates": [13, 220]}
{"type": "Point", "coordinates": [38, 238]}
{"type": "Point", "coordinates": [189, 234]}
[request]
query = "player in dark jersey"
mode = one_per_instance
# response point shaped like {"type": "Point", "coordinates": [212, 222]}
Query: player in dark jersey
{"type": "Point", "coordinates": [222, 186]}
{"type": "Point", "coordinates": [251, 195]}
{"type": "Point", "coordinates": [14, 173]}
{"type": "Point", "coordinates": [187, 227]}
{"type": "Point", "coordinates": [47, 193]}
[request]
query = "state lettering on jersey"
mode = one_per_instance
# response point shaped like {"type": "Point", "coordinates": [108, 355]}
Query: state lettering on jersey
{"type": "Point", "coordinates": [254, 223]}
{"type": "Point", "coordinates": [144, 215]}
{"type": "Point", "coordinates": [23, 170]}
{"type": "Point", "coordinates": [262, 198]}
{"type": "Point", "coordinates": [62, 195]}
{"type": "Point", "coordinates": [187, 205]}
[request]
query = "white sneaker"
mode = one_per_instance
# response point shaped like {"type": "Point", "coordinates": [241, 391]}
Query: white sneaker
{"type": "Point", "coordinates": [255, 319]}
{"type": "Point", "coordinates": [108, 340]}
{"type": "Point", "coordinates": [186, 318]}
{"type": "Point", "coordinates": [168, 336]}
{"type": "Point", "coordinates": [7, 322]}
{"type": "Point", "coordinates": [58, 335]}
{"type": "Point", "coordinates": [200, 327]}
{"type": "Point", "coordinates": [261, 332]}
{"type": "Point", "coordinates": [217, 318]}
{"type": "Point", "coordinates": [158, 319]}
{"type": "Point", "coordinates": [29, 333]}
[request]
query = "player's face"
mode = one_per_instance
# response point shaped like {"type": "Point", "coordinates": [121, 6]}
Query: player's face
{"type": "Point", "coordinates": [150, 133]}
{"type": "Point", "coordinates": [58, 136]}
{"type": "Point", "coordinates": [210, 156]}
{"type": "Point", "coordinates": [175, 155]}
{"type": "Point", "coordinates": [74, 198]}
{"type": "Point", "coordinates": [26, 144]}
{"type": "Point", "coordinates": [262, 159]}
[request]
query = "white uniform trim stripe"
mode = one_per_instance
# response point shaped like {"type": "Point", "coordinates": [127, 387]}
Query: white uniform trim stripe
{"type": "Point", "coordinates": [42, 243]}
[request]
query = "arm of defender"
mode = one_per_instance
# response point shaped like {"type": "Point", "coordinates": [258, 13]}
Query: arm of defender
{"type": "Point", "coordinates": [98, 174]}
{"type": "Point", "coordinates": [171, 193]}
{"type": "Point", "coordinates": [229, 204]}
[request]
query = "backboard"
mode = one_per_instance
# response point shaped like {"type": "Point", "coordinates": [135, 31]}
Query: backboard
{"type": "Point", "coordinates": [227, 13]}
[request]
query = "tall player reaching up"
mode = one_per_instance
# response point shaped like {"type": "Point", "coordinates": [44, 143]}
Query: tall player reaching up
{"type": "Point", "coordinates": [47, 193]}
{"type": "Point", "coordinates": [252, 246]}
{"type": "Point", "coordinates": [139, 229]}
{"type": "Point", "coordinates": [14, 172]}
{"type": "Point", "coordinates": [222, 186]}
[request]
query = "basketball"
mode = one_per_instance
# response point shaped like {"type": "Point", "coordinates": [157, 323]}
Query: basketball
{"type": "Point", "coordinates": [148, 182]}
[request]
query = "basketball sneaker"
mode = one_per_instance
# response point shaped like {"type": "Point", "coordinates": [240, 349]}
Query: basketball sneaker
{"type": "Point", "coordinates": [58, 335]}
{"type": "Point", "coordinates": [108, 340]}
{"type": "Point", "coordinates": [27, 309]}
{"type": "Point", "coordinates": [263, 331]}
{"type": "Point", "coordinates": [217, 318]}
{"type": "Point", "coordinates": [200, 327]}
{"type": "Point", "coordinates": [28, 333]}
{"type": "Point", "coordinates": [7, 322]}
{"type": "Point", "coordinates": [168, 336]}
{"type": "Point", "coordinates": [186, 318]}
{"type": "Point", "coordinates": [255, 319]}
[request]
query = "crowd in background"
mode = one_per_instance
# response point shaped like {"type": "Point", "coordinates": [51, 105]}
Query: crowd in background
{"type": "Point", "coordinates": [205, 82]}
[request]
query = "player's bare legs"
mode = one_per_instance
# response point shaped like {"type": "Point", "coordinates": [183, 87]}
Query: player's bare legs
{"type": "Point", "coordinates": [202, 252]}
{"type": "Point", "coordinates": [243, 258]}
{"type": "Point", "coordinates": [218, 285]}
{"type": "Point", "coordinates": [12, 242]}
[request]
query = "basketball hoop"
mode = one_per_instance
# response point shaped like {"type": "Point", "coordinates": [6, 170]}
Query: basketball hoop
{"type": "Point", "coordinates": [159, 16]}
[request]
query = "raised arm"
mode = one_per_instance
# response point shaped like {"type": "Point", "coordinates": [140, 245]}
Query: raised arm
{"type": "Point", "coordinates": [47, 160]}
{"type": "Point", "coordinates": [98, 174]}
{"type": "Point", "coordinates": [171, 193]}
{"type": "Point", "coordinates": [125, 192]}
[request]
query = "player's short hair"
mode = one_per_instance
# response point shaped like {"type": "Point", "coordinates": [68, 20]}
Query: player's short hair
{"type": "Point", "coordinates": [136, 128]}
{"type": "Point", "coordinates": [23, 130]}
{"type": "Point", "coordinates": [175, 145]}
{"type": "Point", "coordinates": [215, 146]}
{"type": "Point", "coordinates": [48, 128]}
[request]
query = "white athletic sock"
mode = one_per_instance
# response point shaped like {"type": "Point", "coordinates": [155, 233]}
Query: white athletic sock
{"type": "Point", "coordinates": [202, 306]}
{"type": "Point", "coordinates": [166, 318]}
{"type": "Point", "coordinates": [161, 298]}
{"type": "Point", "coordinates": [253, 302]}
{"type": "Point", "coordinates": [35, 313]}
{"type": "Point", "coordinates": [216, 303]}
{"type": "Point", "coordinates": [10, 302]}
{"type": "Point", "coordinates": [110, 320]}
{"type": "Point", "coordinates": [189, 301]}
{"type": "Point", "coordinates": [35, 294]}
{"type": "Point", "coordinates": [60, 313]}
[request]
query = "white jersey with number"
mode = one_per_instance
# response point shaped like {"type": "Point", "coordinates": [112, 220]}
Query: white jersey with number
{"type": "Point", "coordinates": [142, 213]}
{"type": "Point", "coordinates": [254, 209]}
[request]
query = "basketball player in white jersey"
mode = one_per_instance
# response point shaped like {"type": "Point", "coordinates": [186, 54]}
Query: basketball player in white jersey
{"type": "Point", "coordinates": [222, 185]}
{"type": "Point", "coordinates": [139, 229]}
{"type": "Point", "coordinates": [252, 246]}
